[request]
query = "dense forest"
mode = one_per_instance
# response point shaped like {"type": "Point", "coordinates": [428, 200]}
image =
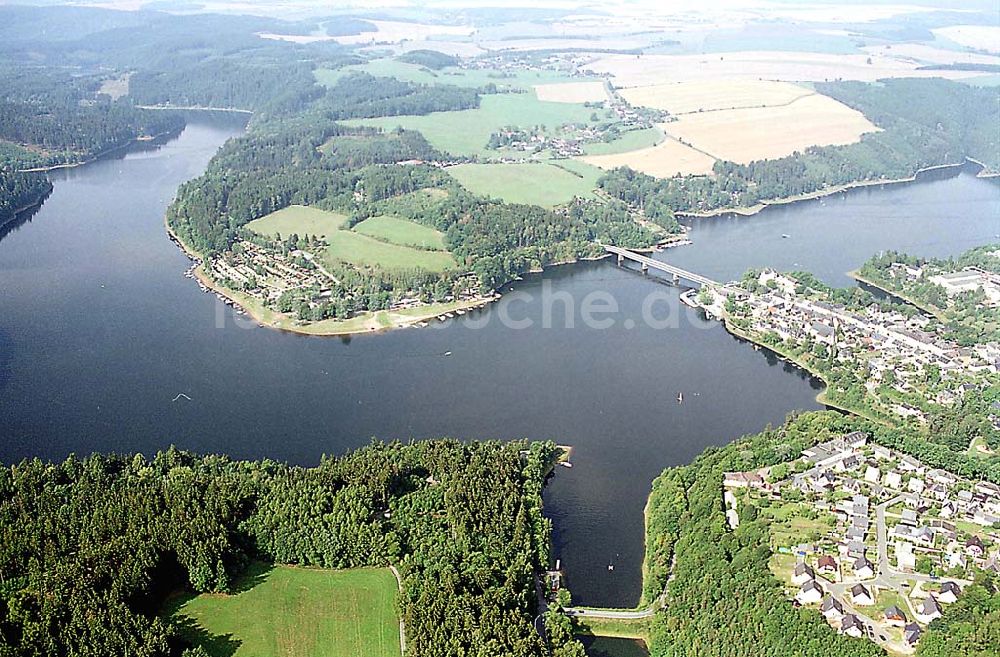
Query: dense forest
{"type": "Point", "coordinates": [89, 548]}
{"type": "Point", "coordinates": [924, 122]}
{"type": "Point", "coordinates": [20, 190]}
{"type": "Point", "coordinates": [723, 600]}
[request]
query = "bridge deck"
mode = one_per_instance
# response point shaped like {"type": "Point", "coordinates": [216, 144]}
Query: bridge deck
{"type": "Point", "coordinates": [670, 269]}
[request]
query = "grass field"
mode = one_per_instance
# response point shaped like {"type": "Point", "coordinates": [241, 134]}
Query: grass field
{"type": "Point", "coordinates": [629, 141]}
{"type": "Point", "coordinates": [536, 184]}
{"type": "Point", "coordinates": [686, 97]}
{"type": "Point", "coordinates": [297, 612]}
{"type": "Point", "coordinates": [521, 80]}
{"type": "Point", "coordinates": [745, 135]}
{"type": "Point", "coordinates": [300, 220]}
{"type": "Point", "coordinates": [667, 159]}
{"type": "Point", "coordinates": [466, 132]}
{"type": "Point", "coordinates": [363, 251]}
{"type": "Point", "coordinates": [401, 232]}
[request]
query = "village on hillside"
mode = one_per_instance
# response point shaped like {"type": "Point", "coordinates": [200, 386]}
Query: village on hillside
{"type": "Point", "coordinates": [906, 368]}
{"type": "Point", "coordinates": [871, 538]}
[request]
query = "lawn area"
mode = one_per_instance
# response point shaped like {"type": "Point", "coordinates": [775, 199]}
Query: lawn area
{"type": "Point", "coordinates": [467, 132]}
{"type": "Point", "coordinates": [632, 140]}
{"type": "Point", "coordinates": [392, 68]}
{"type": "Point", "coordinates": [401, 232]}
{"type": "Point", "coordinates": [791, 525]}
{"type": "Point", "coordinates": [296, 612]}
{"type": "Point", "coordinates": [363, 251]}
{"type": "Point", "coordinates": [300, 220]}
{"type": "Point", "coordinates": [545, 184]}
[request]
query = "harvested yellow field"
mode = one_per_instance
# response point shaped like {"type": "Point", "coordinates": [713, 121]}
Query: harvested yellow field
{"type": "Point", "coordinates": [572, 92]}
{"type": "Point", "coordinates": [745, 135]}
{"type": "Point", "coordinates": [704, 96]}
{"type": "Point", "coordinates": [667, 159]}
{"type": "Point", "coordinates": [633, 71]}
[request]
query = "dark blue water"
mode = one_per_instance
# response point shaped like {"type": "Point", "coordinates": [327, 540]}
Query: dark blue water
{"type": "Point", "coordinates": [99, 332]}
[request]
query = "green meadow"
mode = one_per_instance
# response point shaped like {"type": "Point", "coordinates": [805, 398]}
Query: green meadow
{"type": "Point", "coordinates": [632, 140]}
{"type": "Point", "coordinates": [300, 220]}
{"type": "Point", "coordinates": [296, 612]}
{"type": "Point", "coordinates": [401, 232]}
{"type": "Point", "coordinates": [544, 183]}
{"type": "Point", "coordinates": [363, 251]}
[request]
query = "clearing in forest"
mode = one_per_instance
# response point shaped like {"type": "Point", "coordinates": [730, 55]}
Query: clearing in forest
{"type": "Point", "coordinates": [296, 612]}
{"type": "Point", "coordinates": [544, 184]}
{"type": "Point", "coordinates": [402, 232]}
{"type": "Point", "coordinates": [299, 220]}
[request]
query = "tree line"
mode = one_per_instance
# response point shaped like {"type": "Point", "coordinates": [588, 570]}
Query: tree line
{"type": "Point", "coordinates": [92, 546]}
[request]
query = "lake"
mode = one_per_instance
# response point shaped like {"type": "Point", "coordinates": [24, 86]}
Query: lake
{"type": "Point", "coordinates": [100, 333]}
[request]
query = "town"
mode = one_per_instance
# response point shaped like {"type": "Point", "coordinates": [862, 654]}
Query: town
{"type": "Point", "coordinates": [871, 538]}
{"type": "Point", "coordinates": [905, 367]}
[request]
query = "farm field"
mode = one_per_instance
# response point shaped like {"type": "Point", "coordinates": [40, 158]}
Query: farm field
{"type": "Point", "coordinates": [363, 251]}
{"type": "Point", "coordinates": [688, 97]}
{"type": "Point", "coordinates": [386, 67]}
{"type": "Point", "coordinates": [401, 232]}
{"type": "Point", "coordinates": [629, 141]}
{"type": "Point", "coordinates": [467, 132]}
{"type": "Point", "coordinates": [542, 184]}
{"type": "Point", "coordinates": [667, 159]}
{"type": "Point", "coordinates": [572, 92]}
{"type": "Point", "coordinates": [300, 220]}
{"type": "Point", "coordinates": [746, 135]}
{"type": "Point", "coordinates": [297, 612]}
{"type": "Point", "coordinates": [632, 71]}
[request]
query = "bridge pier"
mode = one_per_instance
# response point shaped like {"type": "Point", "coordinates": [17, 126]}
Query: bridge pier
{"type": "Point", "coordinates": [644, 267]}
{"type": "Point", "coordinates": [621, 259]}
{"type": "Point", "coordinates": [677, 279]}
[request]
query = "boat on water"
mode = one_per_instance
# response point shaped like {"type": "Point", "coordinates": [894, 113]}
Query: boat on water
{"type": "Point", "coordinates": [566, 464]}
{"type": "Point", "coordinates": [784, 236]}
{"type": "Point", "coordinates": [680, 397]}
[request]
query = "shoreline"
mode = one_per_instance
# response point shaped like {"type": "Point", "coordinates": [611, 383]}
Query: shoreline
{"type": "Point", "coordinates": [934, 312]}
{"type": "Point", "coordinates": [36, 203]}
{"type": "Point", "coordinates": [365, 324]}
{"type": "Point", "coordinates": [140, 139]}
{"type": "Point", "coordinates": [749, 211]}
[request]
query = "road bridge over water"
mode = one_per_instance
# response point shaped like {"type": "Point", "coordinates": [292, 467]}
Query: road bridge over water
{"type": "Point", "coordinates": [646, 263]}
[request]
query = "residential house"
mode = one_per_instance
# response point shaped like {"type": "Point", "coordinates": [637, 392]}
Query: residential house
{"type": "Point", "coordinates": [928, 610]}
{"type": "Point", "coordinates": [831, 608]}
{"type": "Point", "coordinates": [911, 634]}
{"type": "Point", "coordinates": [802, 573]}
{"type": "Point", "coordinates": [861, 596]}
{"type": "Point", "coordinates": [810, 593]}
{"type": "Point", "coordinates": [975, 548]}
{"type": "Point", "coordinates": [863, 569]}
{"type": "Point", "coordinates": [949, 592]}
{"type": "Point", "coordinates": [827, 564]}
{"type": "Point", "coordinates": [895, 616]}
{"type": "Point", "coordinates": [851, 625]}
